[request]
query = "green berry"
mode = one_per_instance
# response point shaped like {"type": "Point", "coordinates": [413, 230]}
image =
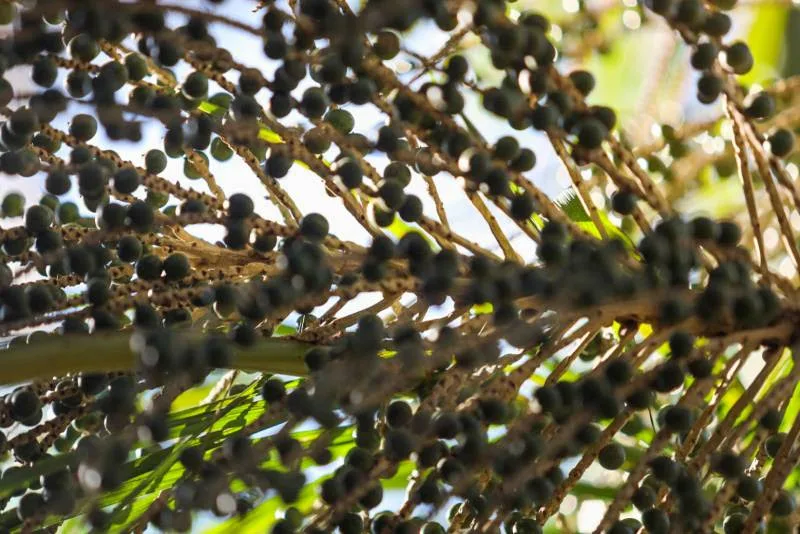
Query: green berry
{"type": "Point", "coordinates": [387, 45]}
{"type": "Point", "coordinates": [340, 119]}
{"type": "Point", "coordinates": [155, 161]}
{"type": "Point", "coordinates": [83, 127]}
{"type": "Point", "coordinates": [13, 205]}
{"type": "Point", "coordinates": [220, 151]}
{"type": "Point", "coordinates": [136, 66]}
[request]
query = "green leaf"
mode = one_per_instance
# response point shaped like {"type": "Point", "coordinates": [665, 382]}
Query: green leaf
{"type": "Point", "coordinates": [399, 228]}
{"type": "Point", "coordinates": [765, 39]}
{"type": "Point", "coordinates": [264, 133]}
{"type": "Point", "coordinates": [76, 525]}
{"type": "Point", "coordinates": [155, 478]}
{"type": "Point", "coordinates": [571, 205]}
{"type": "Point", "coordinates": [284, 330]}
{"type": "Point", "coordinates": [12, 481]}
{"type": "Point", "coordinates": [268, 135]}
{"type": "Point", "coordinates": [400, 480]}
{"type": "Point", "coordinates": [263, 516]}
{"type": "Point", "coordinates": [191, 397]}
{"type": "Point", "coordinates": [136, 510]}
{"type": "Point", "coordinates": [792, 411]}
{"type": "Point", "coordinates": [482, 309]}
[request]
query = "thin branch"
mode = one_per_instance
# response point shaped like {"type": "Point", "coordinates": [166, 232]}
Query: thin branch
{"type": "Point", "coordinates": [101, 353]}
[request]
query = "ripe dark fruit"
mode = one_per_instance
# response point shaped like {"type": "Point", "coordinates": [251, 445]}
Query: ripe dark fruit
{"type": "Point", "coordinates": [506, 149]}
{"type": "Point", "coordinates": [717, 24]}
{"type": "Point", "coordinates": [704, 228]}
{"type": "Point", "coordinates": [583, 81]}
{"type": "Point", "coordinates": [399, 444]}
{"type": "Point", "coordinates": [278, 165]}
{"type": "Point", "coordinates": [316, 358]}
{"type": "Point", "coordinates": [762, 106]}
{"type": "Point", "coordinates": [391, 192]}
{"type": "Point", "coordinates": [664, 469]}
{"type": "Point", "coordinates": [411, 210]}
{"type": "Point", "coordinates": [781, 142]}
{"type": "Point", "coordinates": [97, 292]}
{"type": "Point", "coordinates": [23, 122]}
{"type": "Point", "coordinates": [656, 521]}
{"type": "Point", "coordinates": [273, 390]}
{"type": "Point", "coordinates": [749, 488]}
{"type": "Point", "coordinates": [24, 404]}
{"type": "Point", "coordinates": [126, 180]}
{"type": "Point", "coordinates": [195, 85]}
{"type": "Point", "coordinates": [240, 206]}
{"type": "Point", "coordinates": [522, 206]}
{"type": "Point", "coordinates": [38, 219]}
{"type": "Point", "coordinates": [681, 344]}
{"type": "Point", "coordinates": [784, 504]}
{"type": "Point", "coordinates": [709, 88]}
{"type": "Point", "coordinates": [30, 505]}
{"type": "Point", "coordinates": [704, 56]}
{"type": "Point", "coordinates": [237, 234]}
{"type": "Point", "coordinates": [314, 227]}
{"type": "Point", "coordinates": [689, 13]}
{"type": "Point", "coordinates": [456, 68]}
{"type": "Point", "coordinates": [446, 425]}
{"type": "Point", "coordinates": [44, 71]}
{"type": "Point", "coordinates": [314, 102]}
{"type": "Point", "coordinates": [398, 414]}
{"type": "Point", "coordinates": [678, 419]}
{"type": "Point", "coordinates": [644, 497]}
{"type": "Point", "coordinates": [773, 444]}
{"type": "Point", "coordinates": [612, 456]}
{"type": "Point", "coordinates": [623, 202]}
{"type": "Point", "coordinates": [57, 183]}
{"type": "Point", "coordinates": [350, 173]}
{"type": "Point", "coordinates": [140, 216]}
{"type": "Point", "coordinates": [176, 266]}
{"type": "Point", "coordinates": [729, 234]}
{"type": "Point", "coordinates": [264, 242]}
{"type": "Point", "coordinates": [149, 267]}
{"type": "Point", "coordinates": [110, 216]}
{"type": "Point", "coordinates": [729, 465]}
{"type": "Point", "coordinates": [739, 58]}
{"type": "Point", "coordinates": [771, 420]}
{"type": "Point", "coordinates": [591, 133]}
{"type": "Point", "coordinates": [397, 171]}
{"type": "Point", "coordinates": [525, 161]}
